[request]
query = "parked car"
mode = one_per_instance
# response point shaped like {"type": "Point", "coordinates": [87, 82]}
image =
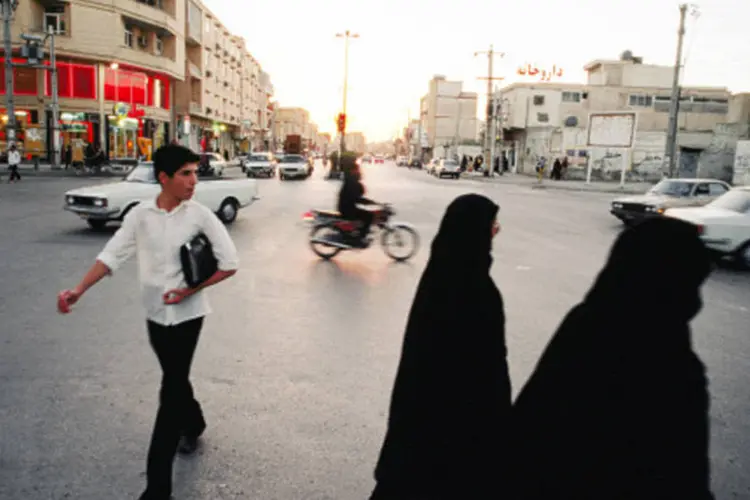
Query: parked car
{"type": "Point", "coordinates": [379, 159]}
{"type": "Point", "coordinates": [260, 164]}
{"type": "Point", "coordinates": [447, 168]}
{"type": "Point", "coordinates": [102, 203]}
{"type": "Point", "coordinates": [402, 161]}
{"type": "Point", "coordinates": [669, 193]}
{"type": "Point", "coordinates": [293, 167]}
{"type": "Point", "coordinates": [724, 224]}
{"type": "Point", "coordinates": [366, 159]}
{"type": "Point", "coordinates": [431, 165]}
{"type": "Point", "coordinates": [211, 164]}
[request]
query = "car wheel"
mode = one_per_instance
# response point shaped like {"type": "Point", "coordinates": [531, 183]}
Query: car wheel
{"type": "Point", "coordinates": [96, 224]}
{"type": "Point", "coordinates": [742, 257]}
{"type": "Point", "coordinates": [228, 211]}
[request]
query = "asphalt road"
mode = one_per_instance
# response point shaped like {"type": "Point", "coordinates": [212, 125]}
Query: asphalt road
{"type": "Point", "coordinates": [295, 366]}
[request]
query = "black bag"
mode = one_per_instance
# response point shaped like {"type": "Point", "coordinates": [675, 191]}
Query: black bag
{"type": "Point", "coordinates": [198, 260]}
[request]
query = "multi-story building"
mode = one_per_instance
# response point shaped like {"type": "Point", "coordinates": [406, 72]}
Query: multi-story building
{"type": "Point", "coordinates": [551, 119]}
{"type": "Point", "coordinates": [355, 141]}
{"type": "Point", "coordinates": [117, 64]}
{"type": "Point", "coordinates": [290, 121]}
{"type": "Point", "coordinates": [448, 116]}
{"type": "Point", "coordinates": [222, 104]}
{"type": "Point", "coordinates": [266, 111]}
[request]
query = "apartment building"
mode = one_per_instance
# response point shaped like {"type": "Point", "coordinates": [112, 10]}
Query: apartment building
{"type": "Point", "coordinates": [117, 67]}
{"type": "Point", "coordinates": [290, 121]}
{"type": "Point", "coordinates": [448, 116]}
{"type": "Point", "coordinates": [355, 141]}
{"type": "Point", "coordinates": [551, 119]}
{"type": "Point", "coordinates": [223, 102]}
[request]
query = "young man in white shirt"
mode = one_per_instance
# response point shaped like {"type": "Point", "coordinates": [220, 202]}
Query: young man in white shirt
{"type": "Point", "coordinates": [155, 231]}
{"type": "Point", "coordinates": [14, 160]}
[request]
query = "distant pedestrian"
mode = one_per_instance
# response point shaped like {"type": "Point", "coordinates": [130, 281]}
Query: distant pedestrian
{"type": "Point", "coordinates": [68, 156]}
{"type": "Point", "coordinates": [155, 230]}
{"type": "Point", "coordinates": [556, 173]}
{"type": "Point", "coordinates": [447, 434]}
{"type": "Point", "coordinates": [14, 160]}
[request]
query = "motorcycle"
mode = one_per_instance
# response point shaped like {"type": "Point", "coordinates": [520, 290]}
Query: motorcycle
{"type": "Point", "coordinates": [331, 234]}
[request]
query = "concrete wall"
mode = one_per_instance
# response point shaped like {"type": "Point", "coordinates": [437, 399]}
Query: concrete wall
{"type": "Point", "coordinates": [717, 160]}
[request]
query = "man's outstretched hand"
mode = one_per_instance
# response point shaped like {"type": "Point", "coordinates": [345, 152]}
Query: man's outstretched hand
{"type": "Point", "coordinates": [67, 298]}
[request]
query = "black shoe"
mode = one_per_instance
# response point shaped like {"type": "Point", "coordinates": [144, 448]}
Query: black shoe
{"type": "Point", "coordinates": [187, 445]}
{"type": "Point", "coordinates": [150, 496]}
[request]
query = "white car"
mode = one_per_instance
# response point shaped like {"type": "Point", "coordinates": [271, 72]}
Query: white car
{"type": "Point", "coordinates": [447, 168]}
{"type": "Point", "coordinates": [103, 203]}
{"type": "Point", "coordinates": [212, 164]}
{"type": "Point", "coordinates": [293, 167]}
{"type": "Point", "coordinates": [724, 224]}
{"type": "Point", "coordinates": [257, 164]}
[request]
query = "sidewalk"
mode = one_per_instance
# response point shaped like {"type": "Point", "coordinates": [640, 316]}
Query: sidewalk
{"type": "Point", "coordinates": [580, 186]}
{"type": "Point", "coordinates": [45, 170]}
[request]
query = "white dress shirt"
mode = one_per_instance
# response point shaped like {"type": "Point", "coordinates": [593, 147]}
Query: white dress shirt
{"type": "Point", "coordinates": [156, 236]}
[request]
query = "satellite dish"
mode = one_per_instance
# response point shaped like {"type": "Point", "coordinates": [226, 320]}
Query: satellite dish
{"type": "Point", "coordinates": [571, 121]}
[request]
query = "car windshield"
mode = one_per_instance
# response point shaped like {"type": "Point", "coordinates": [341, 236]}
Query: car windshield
{"type": "Point", "coordinates": [257, 158]}
{"type": "Point", "coordinates": [736, 200]}
{"type": "Point", "coordinates": [673, 188]}
{"type": "Point", "coordinates": [143, 174]}
{"type": "Point", "coordinates": [292, 159]}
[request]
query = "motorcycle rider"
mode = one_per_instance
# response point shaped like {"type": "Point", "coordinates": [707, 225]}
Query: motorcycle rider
{"type": "Point", "coordinates": [352, 194]}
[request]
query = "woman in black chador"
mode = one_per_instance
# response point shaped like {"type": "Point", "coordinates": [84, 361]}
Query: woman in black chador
{"type": "Point", "coordinates": [450, 405]}
{"type": "Point", "coordinates": [618, 406]}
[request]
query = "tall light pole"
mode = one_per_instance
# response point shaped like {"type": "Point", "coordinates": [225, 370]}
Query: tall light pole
{"type": "Point", "coordinates": [346, 36]}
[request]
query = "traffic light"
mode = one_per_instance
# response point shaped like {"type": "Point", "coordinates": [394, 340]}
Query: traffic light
{"type": "Point", "coordinates": [341, 122]}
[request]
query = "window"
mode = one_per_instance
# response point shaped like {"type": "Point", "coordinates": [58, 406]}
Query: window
{"type": "Point", "coordinates": [643, 101]}
{"type": "Point", "coordinates": [128, 38]}
{"type": "Point", "coordinates": [702, 190]}
{"type": "Point", "coordinates": [54, 18]}
{"type": "Point", "coordinates": [571, 97]}
{"type": "Point", "coordinates": [73, 80]}
{"type": "Point", "coordinates": [142, 41]}
{"type": "Point", "coordinates": [538, 100]}
{"type": "Point", "coordinates": [716, 189]}
{"type": "Point", "coordinates": [159, 45]}
{"type": "Point", "coordinates": [542, 117]}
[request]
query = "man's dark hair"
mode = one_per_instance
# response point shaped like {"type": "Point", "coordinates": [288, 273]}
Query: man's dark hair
{"type": "Point", "coordinates": [172, 157]}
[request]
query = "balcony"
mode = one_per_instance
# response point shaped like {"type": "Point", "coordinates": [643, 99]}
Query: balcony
{"type": "Point", "coordinates": [194, 70]}
{"type": "Point", "coordinates": [141, 14]}
{"type": "Point", "coordinates": [196, 108]}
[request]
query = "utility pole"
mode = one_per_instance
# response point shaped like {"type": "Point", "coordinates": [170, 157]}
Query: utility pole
{"type": "Point", "coordinates": [9, 6]}
{"type": "Point", "coordinates": [674, 108]}
{"type": "Point", "coordinates": [33, 52]}
{"type": "Point", "coordinates": [346, 36]}
{"type": "Point", "coordinates": [489, 135]}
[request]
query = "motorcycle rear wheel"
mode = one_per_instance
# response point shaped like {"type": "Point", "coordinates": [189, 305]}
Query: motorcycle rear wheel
{"type": "Point", "coordinates": [324, 231]}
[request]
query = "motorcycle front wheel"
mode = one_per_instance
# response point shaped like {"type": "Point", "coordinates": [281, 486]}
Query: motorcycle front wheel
{"type": "Point", "coordinates": [400, 242]}
{"type": "Point", "coordinates": [321, 233]}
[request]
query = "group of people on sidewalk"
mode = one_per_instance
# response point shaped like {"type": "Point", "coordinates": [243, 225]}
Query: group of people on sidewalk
{"type": "Point", "coordinates": [616, 408]}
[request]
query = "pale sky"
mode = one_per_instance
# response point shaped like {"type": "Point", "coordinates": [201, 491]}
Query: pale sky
{"type": "Point", "coordinates": [403, 44]}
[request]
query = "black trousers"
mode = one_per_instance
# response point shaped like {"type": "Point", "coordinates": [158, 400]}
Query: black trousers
{"type": "Point", "coordinates": [14, 175]}
{"type": "Point", "coordinates": [179, 413]}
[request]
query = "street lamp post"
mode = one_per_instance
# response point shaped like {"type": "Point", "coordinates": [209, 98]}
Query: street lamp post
{"type": "Point", "coordinates": [346, 36]}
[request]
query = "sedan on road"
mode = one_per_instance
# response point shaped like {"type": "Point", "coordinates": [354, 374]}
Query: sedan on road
{"type": "Point", "coordinates": [669, 193]}
{"type": "Point", "coordinates": [259, 164]}
{"type": "Point", "coordinates": [724, 224]}
{"type": "Point", "coordinates": [447, 168]}
{"type": "Point", "coordinates": [102, 203]}
{"type": "Point", "coordinates": [294, 167]}
{"type": "Point", "coordinates": [211, 164]}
